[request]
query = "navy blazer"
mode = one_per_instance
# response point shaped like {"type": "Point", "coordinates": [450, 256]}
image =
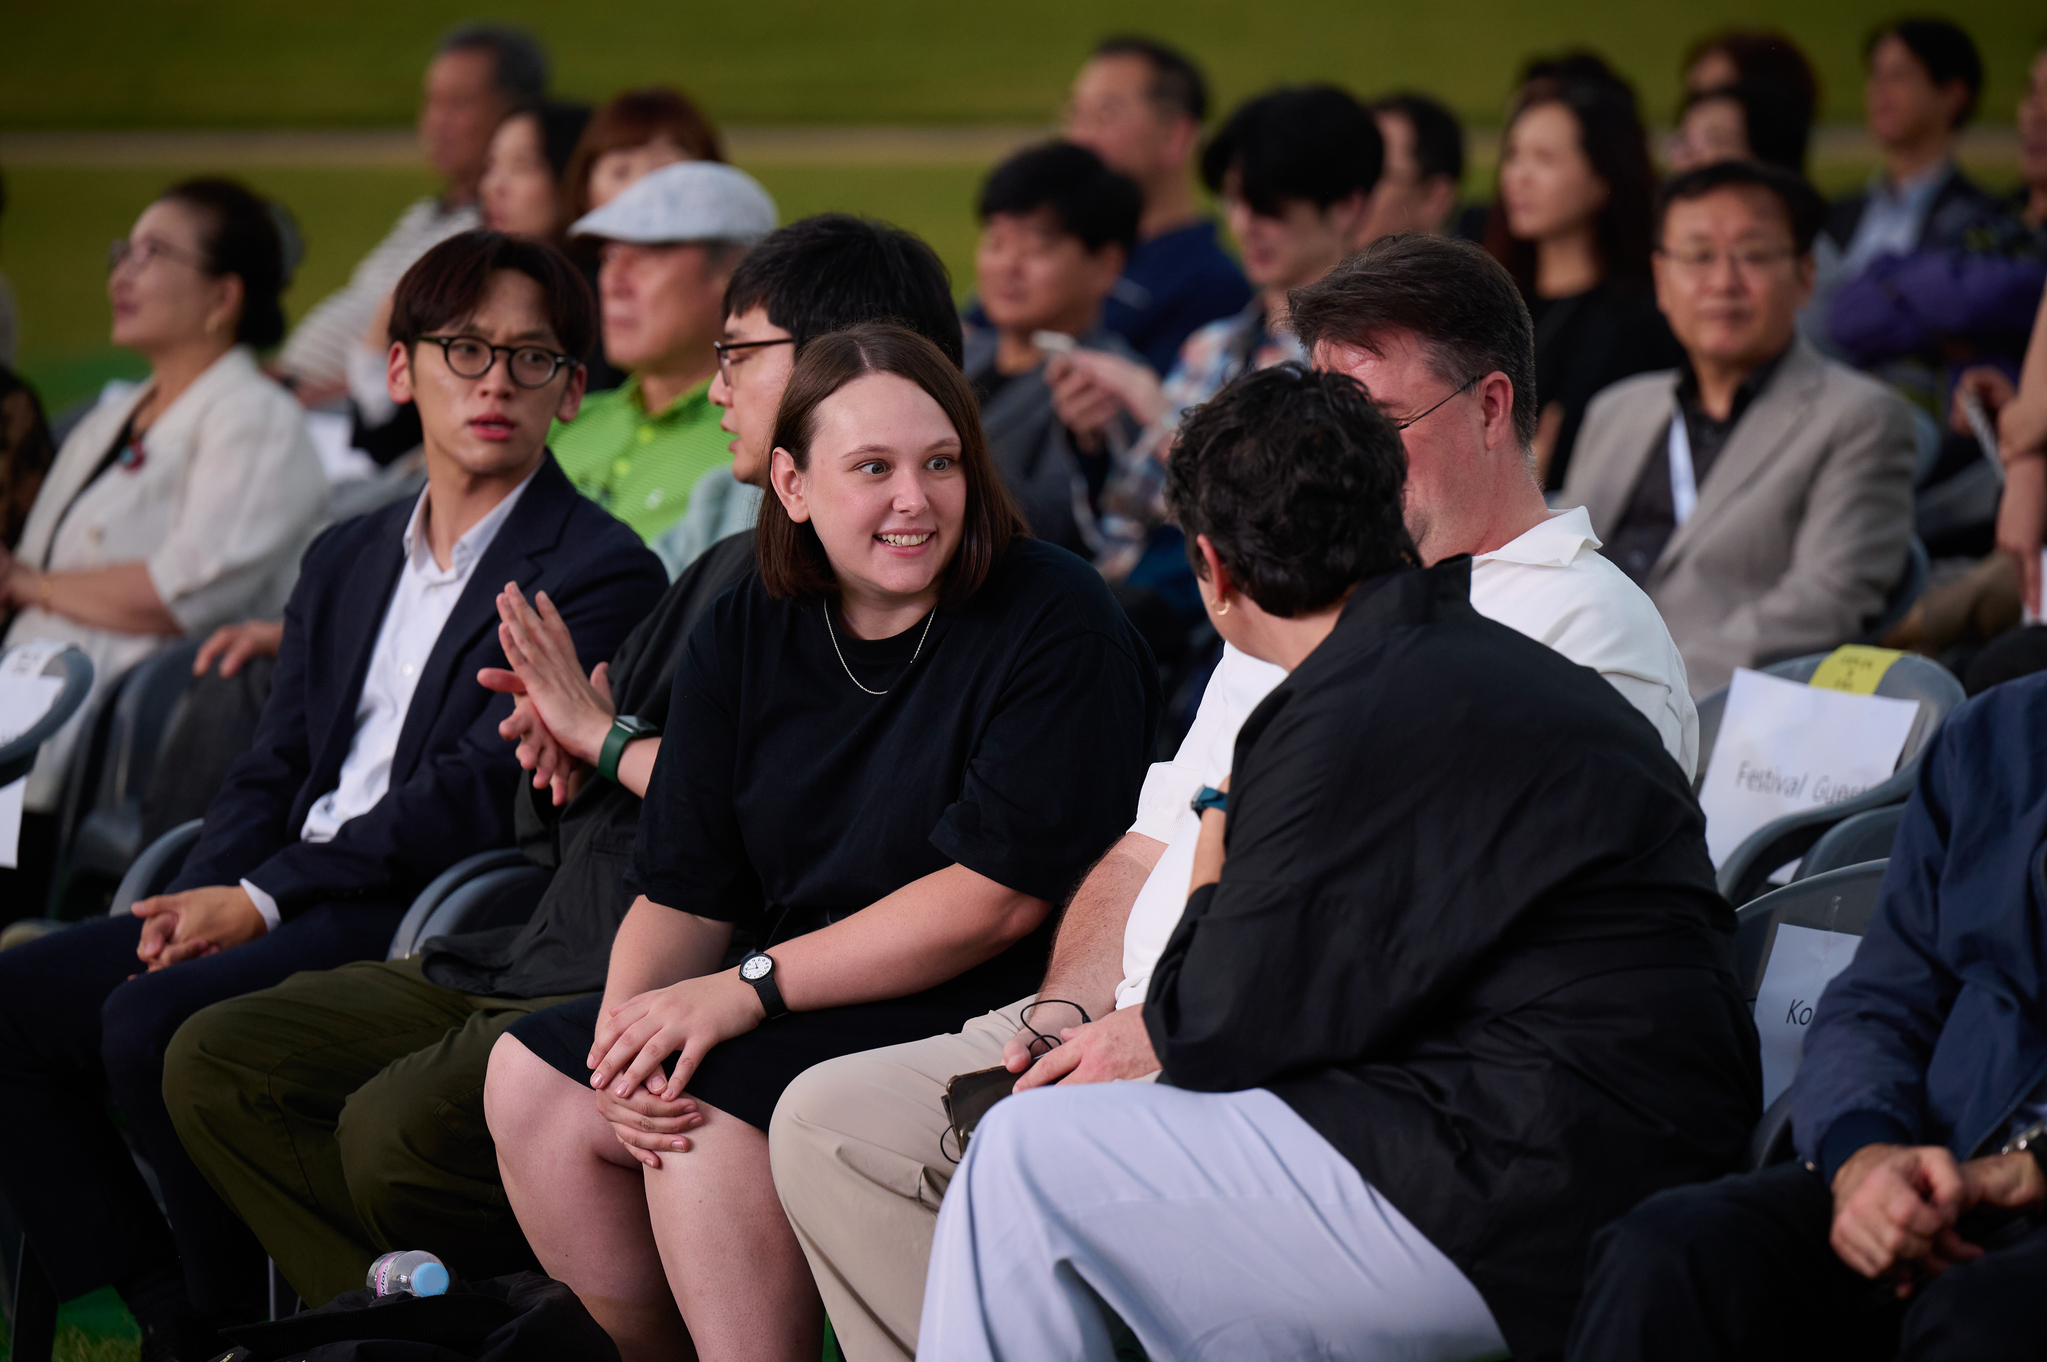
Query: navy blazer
{"type": "Point", "coordinates": [1936, 1032]}
{"type": "Point", "coordinates": [452, 778]}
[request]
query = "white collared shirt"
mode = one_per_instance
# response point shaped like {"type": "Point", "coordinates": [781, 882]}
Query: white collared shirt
{"type": "Point", "coordinates": [413, 621]}
{"type": "Point", "coordinates": [1550, 584]}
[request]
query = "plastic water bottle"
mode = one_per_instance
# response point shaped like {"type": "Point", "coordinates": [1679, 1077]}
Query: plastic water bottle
{"type": "Point", "coordinates": [408, 1272]}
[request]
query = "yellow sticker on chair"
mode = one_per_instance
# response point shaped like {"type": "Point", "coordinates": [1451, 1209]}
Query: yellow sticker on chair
{"type": "Point", "coordinates": [1854, 668]}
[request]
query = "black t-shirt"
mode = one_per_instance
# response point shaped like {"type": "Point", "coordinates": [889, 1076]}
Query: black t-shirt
{"type": "Point", "coordinates": [1013, 742]}
{"type": "Point", "coordinates": [565, 947]}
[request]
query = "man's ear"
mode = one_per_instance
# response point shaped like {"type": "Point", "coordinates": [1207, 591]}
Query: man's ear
{"type": "Point", "coordinates": [398, 373]}
{"type": "Point", "coordinates": [572, 395]}
{"type": "Point", "coordinates": [787, 481]}
{"type": "Point", "coordinates": [1349, 214]}
{"type": "Point", "coordinates": [1109, 263]}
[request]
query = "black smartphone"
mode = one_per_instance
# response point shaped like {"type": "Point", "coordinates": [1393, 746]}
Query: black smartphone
{"type": "Point", "coordinates": [968, 1097]}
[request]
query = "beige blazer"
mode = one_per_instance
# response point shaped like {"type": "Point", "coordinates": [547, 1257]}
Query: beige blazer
{"type": "Point", "coordinates": [1802, 526]}
{"type": "Point", "coordinates": [226, 496]}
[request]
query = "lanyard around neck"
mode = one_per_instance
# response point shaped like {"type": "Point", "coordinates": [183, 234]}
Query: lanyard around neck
{"type": "Point", "coordinates": [1684, 482]}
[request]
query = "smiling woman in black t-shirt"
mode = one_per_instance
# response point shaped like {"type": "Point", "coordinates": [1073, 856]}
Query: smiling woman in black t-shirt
{"type": "Point", "coordinates": [896, 749]}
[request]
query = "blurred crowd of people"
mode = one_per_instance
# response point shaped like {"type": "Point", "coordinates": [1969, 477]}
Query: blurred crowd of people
{"type": "Point", "coordinates": [1331, 487]}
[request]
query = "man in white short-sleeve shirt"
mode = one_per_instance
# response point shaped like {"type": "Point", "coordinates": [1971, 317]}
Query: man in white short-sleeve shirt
{"type": "Point", "coordinates": [861, 1148]}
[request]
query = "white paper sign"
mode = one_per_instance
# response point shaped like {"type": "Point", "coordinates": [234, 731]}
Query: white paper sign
{"type": "Point", "coordinates": [25, 696]}
{"type": "Point", "coordinates": [1785, 747]}
{"type": "Point", "coordinates": [1802, 962]}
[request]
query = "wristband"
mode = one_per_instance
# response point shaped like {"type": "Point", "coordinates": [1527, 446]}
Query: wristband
{"type": "Point", "coordinates": [1209, 798]}
{"type": "Point", "coordinates": [625, 730]}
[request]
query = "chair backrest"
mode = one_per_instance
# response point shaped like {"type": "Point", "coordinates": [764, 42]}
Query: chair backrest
{"type": "Point", "coordinates": [1909, 677]}
{"type": "Point", "coordinates": [18, 754]}
{"type": "Point", "coordinates": [1852, 841]}
{"type": "Point", "coordinates": [490, 889]}
{"type": "Point", "coordinates": [156, 867]}
{"type": "Point", "coordinates": [142, 712]}
{"type": "Point", "coordinates": [1837, 901]}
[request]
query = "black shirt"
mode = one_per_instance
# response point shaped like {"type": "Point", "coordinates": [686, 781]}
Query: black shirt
{"type": "Point", "coordinates": [1012, 740]}
{"type": "Point", "coordinates": [1588, 341]}
{"type": "Point", "coordinates": [565, 947]}
{"type": "Point", "coordinates": [1650, 518]}
{"type": "Point", "coordinates": [1468, 930]}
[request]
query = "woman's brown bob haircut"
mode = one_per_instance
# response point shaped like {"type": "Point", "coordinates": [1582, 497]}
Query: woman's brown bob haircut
{"type": "Point", "coordinates": [653, 113]}
{"type": "Point", "coordinates": [792, 560]}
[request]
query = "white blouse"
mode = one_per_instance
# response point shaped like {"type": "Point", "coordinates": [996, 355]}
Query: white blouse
{"type": "Point", "coordinates": [223, 500]}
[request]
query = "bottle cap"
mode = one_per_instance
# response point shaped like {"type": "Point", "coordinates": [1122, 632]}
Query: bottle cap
{"type": "Point", "coordinates": [429, 1279]}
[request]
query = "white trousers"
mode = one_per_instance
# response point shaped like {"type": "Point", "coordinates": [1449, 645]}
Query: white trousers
{"type": "Point", "coordinates": [1216, 1225]}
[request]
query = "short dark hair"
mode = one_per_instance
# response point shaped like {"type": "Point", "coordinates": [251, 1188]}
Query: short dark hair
{"type": "Point", "coordinates": [1611, 135]}
{"type": "Point", "coordinates": [1296, 479]}
{"type": "Point", "coordinates": [792, 558]}
{"type": "Point", "coordinates": [1805, 212]}
{"type": "Point", "coordinates": [1312, 142]}
{"type": "Point", "coordinates": [1090, 200]}
{"type": "Point", "coordinates": [1459, 300]}
{"type": "Point", "coordinates": [1176, 82]}
{"type": "Point", "coordinates": [825, 273]}
{"type": "Point", "coordinates": [447, 284]}
{"type": "Point", "coordinates": [1944, 49]}
{"type": "Point", "coordinates": [1762, 54]}
{"type": "Point", "coordinates": [520, 65]}
{"type": "Point", "coordinates": [1777, 129]}
{"type": "Point", "coordinates": [1438, 136]}
{"type": "Point", "coordinates": [242, 235]}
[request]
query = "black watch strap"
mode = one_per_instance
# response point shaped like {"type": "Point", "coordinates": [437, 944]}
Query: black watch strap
{"type": "Point", "coordinates": [764, 984]}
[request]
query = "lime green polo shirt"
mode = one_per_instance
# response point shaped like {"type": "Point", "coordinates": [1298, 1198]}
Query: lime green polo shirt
{"type": "Point", "coordinates": [638, 466]}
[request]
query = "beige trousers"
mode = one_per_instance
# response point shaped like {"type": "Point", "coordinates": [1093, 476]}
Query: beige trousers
{"type": "Point", "coordinates": [855, 1145]}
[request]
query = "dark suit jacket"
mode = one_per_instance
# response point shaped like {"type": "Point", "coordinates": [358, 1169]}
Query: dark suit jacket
{"type": "Point", "coordinates": [1960, 206]}
{"type": "Point", "coordinates": [452, 777]}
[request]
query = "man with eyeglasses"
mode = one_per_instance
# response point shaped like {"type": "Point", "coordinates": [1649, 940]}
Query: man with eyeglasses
{"type": "Point", "coordinates": [341, 1113]}
{"type": "Point", "coordinates": [1762, 494]}
{"type": "Point", "coordinates": [669, 244]}
{"type": "Point", "coordinates": [1438, 333]}
{"type": "Point", "coordinates": [376, 766]}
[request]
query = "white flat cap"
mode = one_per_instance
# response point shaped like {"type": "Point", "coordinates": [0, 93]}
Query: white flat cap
{"type": "Point", "coordinates": [686, 201]}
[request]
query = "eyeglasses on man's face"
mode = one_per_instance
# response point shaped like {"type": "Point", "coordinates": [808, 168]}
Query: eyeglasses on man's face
{"type": "Point", "coordinates": [531, 366]}
{"type": "Point", "coordinates": [1747, 260]}
{"type": "Point", "coordinates": [726, 350]}
{"type": "Point", "coordinates": [1457, 391]}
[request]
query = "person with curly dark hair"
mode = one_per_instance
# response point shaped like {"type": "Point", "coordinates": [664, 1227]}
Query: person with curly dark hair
{"type": "Point", "coordinates": [1399, 1082]}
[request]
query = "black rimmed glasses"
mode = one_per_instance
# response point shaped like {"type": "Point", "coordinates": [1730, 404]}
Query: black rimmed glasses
{"type": "Point", "coordinates": [1457, 391]}
{"type": "Point", "coordinates": [1041, 1043]}
{"type": "Point", "coordinates": [531, 366]}
{"type": "Point", "coordinates": [725, 349]}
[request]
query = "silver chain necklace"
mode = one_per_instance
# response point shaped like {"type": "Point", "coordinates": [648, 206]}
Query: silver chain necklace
{"type": "Point", "coordinates": [842, 657]}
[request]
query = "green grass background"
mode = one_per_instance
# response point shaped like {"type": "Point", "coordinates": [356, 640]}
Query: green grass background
{"type": "Point", "coordinates": [181, 63]}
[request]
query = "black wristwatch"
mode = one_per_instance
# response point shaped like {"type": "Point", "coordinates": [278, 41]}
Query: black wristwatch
{"type": "Point", "coordinates": [1208, 797]}
{"type": "Point", "coordinates": [758, 969]}
{"type": "Point", "coordinates": [625, 730]}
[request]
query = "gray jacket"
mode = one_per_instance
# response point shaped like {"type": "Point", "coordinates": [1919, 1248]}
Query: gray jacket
{"type": "Point", "coordinates": [1802, 525]}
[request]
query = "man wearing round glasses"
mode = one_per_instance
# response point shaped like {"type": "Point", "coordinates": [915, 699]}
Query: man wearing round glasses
{"type": "Point", "coordinates": [1761, 494]}
{"type": "Point", "coordinates": [669, 244]}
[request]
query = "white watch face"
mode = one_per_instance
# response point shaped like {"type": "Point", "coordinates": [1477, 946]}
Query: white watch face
{"type": "Point", "coordinates": [755, 967]}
